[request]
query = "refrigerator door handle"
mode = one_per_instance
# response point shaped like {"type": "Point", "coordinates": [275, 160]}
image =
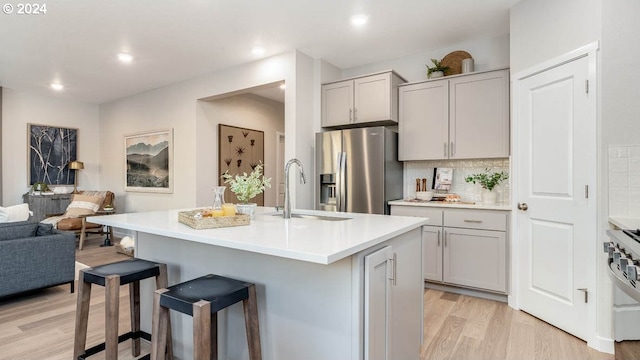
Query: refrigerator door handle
{"type": "Point", "coordinates": [338, 182]}
{"type": "Point", "coordinates": [343, 182]}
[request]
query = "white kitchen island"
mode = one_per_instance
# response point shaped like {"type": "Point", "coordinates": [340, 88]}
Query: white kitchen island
{"type": "Point", "coordinates": [334, 290]}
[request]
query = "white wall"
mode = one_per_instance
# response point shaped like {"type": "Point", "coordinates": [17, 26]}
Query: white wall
{"type": "Point", "coordinates": [20, 109]}
{"type": "Point", "coordinates": [176, 106]}
{"type": "Point", "coordinates": [488, 54]}
{"type": "Point", "coordinates": [246, 111]}
{"type": "Point", "coordinates": [544, 29]}
{"type": "Point", "coordinates": [619, 72]}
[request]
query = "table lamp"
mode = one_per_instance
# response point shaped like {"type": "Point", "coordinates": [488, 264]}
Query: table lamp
{"type": "Point", "coordinates": [76, 165]}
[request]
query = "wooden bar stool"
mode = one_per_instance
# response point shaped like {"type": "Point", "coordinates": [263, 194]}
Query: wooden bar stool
{"type": "Point", "coordinates": [202, 298]}
{"type": "Point", "coordinates": [111, 276]}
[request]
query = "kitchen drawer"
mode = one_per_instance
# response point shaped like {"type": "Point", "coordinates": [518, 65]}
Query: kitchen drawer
{"type": "Point", "coordinates": [482, 219]}
{"type": "Point", "coordinates": [434, 215]}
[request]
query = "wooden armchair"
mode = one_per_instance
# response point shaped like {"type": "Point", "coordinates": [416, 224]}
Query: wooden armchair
{"type": "Point", "coordinates": [81, 227]}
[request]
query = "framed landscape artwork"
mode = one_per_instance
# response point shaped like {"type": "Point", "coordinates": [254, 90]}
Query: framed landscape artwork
{"type": "Point", "coordinates": [51, 149]}
{"type": "Point", "coordinates": [239, 151]}
{"type": "Point", "coordinates": [149, 161]}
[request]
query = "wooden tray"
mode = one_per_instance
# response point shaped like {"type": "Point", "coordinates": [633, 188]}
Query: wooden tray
{"type": "Point", "coordinates": [189, 218]}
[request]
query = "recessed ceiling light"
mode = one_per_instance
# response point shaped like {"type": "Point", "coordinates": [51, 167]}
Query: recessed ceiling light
{"type": "Point", "coordinates": [57, 86]}
{"type": "Point", "coordinates": [258, 50]}
{"type": "Point", "coordinates": [359, 20]}
{"type": "Point", "coordinates": [125, 58]}
{"type": "Point", "coordinates": [283, 86]}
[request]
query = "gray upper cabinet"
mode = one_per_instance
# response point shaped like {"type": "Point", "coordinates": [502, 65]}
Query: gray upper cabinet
{"type": "Point", "coordinates": [424, 121]}
{"type": "Point", "coordinates": [464, 117]}
{"type": "Point", "coordinates": [364, 100]}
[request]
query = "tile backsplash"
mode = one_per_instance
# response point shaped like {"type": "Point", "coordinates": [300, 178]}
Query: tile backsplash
{"type": "Point", "coordinates": [624, 181]}
{"type": "Point", "coordinates": [461, 169]}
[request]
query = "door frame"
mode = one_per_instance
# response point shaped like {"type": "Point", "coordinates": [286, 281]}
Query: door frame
{"type": "Point", "coordinates": [597, 313]}
{"type": "Point", "coordinates": [280, 147]}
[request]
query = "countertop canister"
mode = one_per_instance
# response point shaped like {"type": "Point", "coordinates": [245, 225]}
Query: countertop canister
{"type": "Point", "coordinates": [467, 65]}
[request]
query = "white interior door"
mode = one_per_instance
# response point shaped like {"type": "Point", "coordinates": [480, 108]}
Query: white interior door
{"type": "Point", "coordinates": [556, 155]}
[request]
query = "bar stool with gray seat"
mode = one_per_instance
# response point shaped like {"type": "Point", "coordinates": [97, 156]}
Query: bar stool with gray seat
{"type": "Point", "coordinates": [202, 298]}
{"type": "Point", "coordinates": [111, 276]}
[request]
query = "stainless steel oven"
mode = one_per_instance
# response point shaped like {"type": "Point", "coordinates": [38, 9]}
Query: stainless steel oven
{"type": "Point", "coordinates": [623, 269]}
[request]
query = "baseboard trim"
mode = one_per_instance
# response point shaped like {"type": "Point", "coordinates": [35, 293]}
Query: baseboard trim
{"type": "Point", "coordinates": [466, 291]}
{"type": "Point", "coordinates": [602, 344]}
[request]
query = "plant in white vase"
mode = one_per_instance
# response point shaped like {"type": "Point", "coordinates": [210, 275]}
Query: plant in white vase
{"type": "Point", "coordinates": [438, 70]}
{"type": "Point", "coordinates": [246, 187]}
{"type": "Point", "coordinates": [488, 180]}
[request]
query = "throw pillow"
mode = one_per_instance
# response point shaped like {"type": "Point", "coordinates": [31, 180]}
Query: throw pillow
{"type": "Point", "coordinates": [44, 229]}
{"type": "Point", "coordinates": [15, 213]}
{"type": "Point", "coordinates": [82, 205]}
{"type": "Point", "coordinates": [18, 230]}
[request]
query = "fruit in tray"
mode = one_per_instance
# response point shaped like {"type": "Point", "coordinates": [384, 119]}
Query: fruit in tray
{"type": "Point", "coordinates": [212, 213]}
{"type": "Point", "coordinates": [452, 198]}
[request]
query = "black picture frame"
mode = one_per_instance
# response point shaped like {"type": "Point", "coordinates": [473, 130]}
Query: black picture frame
{"type": "Point", "coordinates": [50, 150]}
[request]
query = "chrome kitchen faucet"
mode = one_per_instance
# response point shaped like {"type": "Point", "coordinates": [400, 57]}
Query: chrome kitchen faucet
{"type": "Point", "coordinates": [287, 199]}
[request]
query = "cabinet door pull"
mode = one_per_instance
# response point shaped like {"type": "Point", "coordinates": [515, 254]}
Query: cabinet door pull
{"type": "Point", "coordinates": [355, 114]}
{"type": "Point", "coordinates": [445, 239]}
{"type": "Point", "coordinates": [445, 149]}
{"type": "Point", "coordinates": [453, 149]}
{"type": "Point", "coordinates": [438, 238]}
{"type": "Point", "coordinates": [393, 269]}
{"type": "Point", "coordinates": [350, 115]}
{"type": "Point", "coordinates": [473, 221]}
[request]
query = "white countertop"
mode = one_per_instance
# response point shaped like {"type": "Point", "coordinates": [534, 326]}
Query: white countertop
{"type": "Point", "coordinates": [625, 223]}
{"type": "Point", "coordinates": [445, 204]}
{"type": "Point", "coordinates": [311, 240]}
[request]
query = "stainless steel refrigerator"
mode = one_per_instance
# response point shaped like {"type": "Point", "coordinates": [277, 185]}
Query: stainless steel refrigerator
{"type": "Point", "coordinates": [358, 170]}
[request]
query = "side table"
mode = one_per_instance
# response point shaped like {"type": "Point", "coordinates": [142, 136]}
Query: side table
{"type": "Point", "coordinates": [109, 230]}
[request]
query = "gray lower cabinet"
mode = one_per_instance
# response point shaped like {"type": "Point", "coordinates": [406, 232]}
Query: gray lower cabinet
{"type": "Point", "coordinates": [461, 247]}
{"type": "Point", "coordinates": [391, 326]}
{"type": "Point", "coordinates": [43, 205]}
{"type": "Point", "coordinates": [475, 258]}
{"type": "Point", "coordinates": [432, 252]}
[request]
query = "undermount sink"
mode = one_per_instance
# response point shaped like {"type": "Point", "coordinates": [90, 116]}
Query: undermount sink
{"type": "Point", "coordinates": [315, 217]}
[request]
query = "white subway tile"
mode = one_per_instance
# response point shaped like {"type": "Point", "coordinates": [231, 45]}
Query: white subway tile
{"type": "Point", "coordinates": [618, 152]}
{"type": "Point", "coordinates": [618, 194]}
{"type": "Point", "coordinates": [619, 208]}
{"type": "Point", "coordinates": [634, 180]}
{"type": "Point", "coordinates": [619, 180]}
{"type": "Point", "coordinates": [634, 165]}
{"type": "Point", "coordinates": [618, 165]}
{"type": "Point", "coordinates": [634, 196]}
{"type": "Point", "coordinates": [634, 210]}
{"type": "Point", "coordinates": [634, 152]}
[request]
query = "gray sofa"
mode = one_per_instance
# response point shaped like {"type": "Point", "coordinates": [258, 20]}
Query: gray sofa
{"type": "Point", "coordinates": [35, 256]}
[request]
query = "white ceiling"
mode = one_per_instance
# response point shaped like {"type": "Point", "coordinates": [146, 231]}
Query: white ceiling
{"type": "Point", "coordinates": [76, 41]}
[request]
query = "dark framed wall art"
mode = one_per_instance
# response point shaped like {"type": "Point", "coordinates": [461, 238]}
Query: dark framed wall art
{"type": "Point", "coordinates": [239, 151]}
{"type": "Point", "coordinates": [51, 149]}
{"type": "Point", "coordinates": [149, 161]}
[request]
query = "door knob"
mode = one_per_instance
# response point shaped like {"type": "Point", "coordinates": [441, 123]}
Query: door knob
{"type": "Point", "coordinates": [523, 206]}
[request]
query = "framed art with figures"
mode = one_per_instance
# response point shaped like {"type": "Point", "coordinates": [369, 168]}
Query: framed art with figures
{"type": "Point", "coordinates": [239, 151]}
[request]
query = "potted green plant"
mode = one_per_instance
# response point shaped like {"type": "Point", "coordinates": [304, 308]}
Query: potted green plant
{"type": "Point", "coordinates": [38, 188]}
{"type": "Point", "coordinates": [437, 70]}
{"type": "Point", "coordinates": [488, 180]}
{"type": "Point", "coordinates": [246, 187]}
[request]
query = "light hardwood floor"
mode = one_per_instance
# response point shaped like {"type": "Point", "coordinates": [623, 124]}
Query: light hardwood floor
{"type": "Point", "coordinates": [41, 325]}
